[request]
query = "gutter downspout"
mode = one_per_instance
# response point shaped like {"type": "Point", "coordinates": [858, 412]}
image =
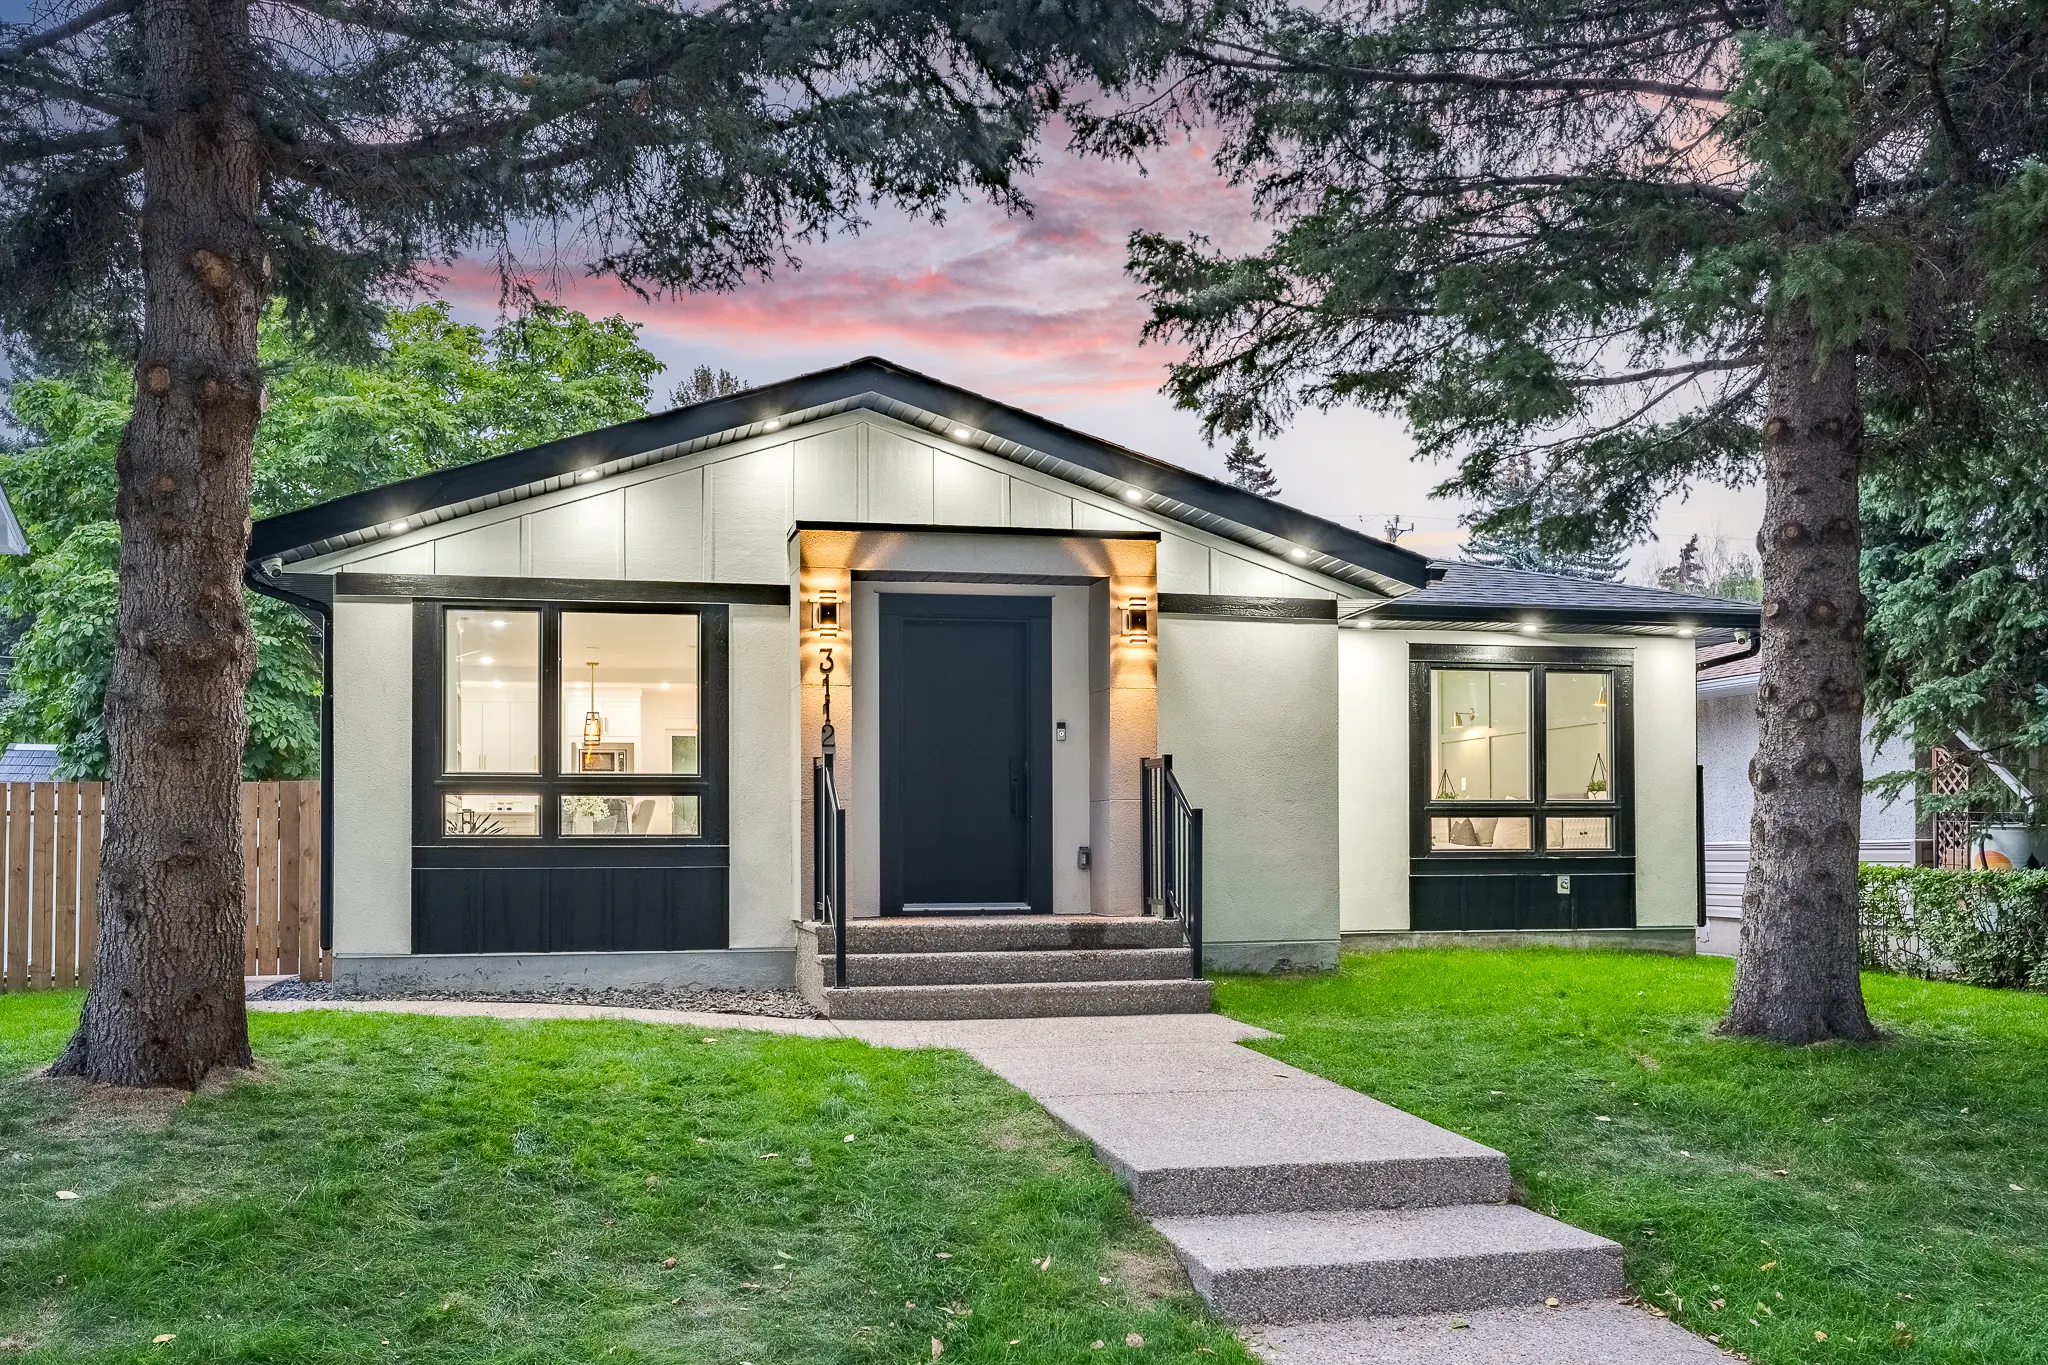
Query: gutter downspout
{"type": "Point", "coordinates": [323, 612]}
{"type": "Point", "coordinates": [1748, 651]}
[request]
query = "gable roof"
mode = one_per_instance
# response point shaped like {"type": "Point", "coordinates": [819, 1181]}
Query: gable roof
{"type": "Point", "coordinates": [1472, 592]}
{"type": "Point", "coordinates": [880, 386]}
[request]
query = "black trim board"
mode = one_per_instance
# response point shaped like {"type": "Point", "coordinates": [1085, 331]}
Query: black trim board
{"type": "Point", "coordinates": [1248, 608]}
{"type": "Point", "coordinates": [556, 459]}
{"type": "Point", "coordinates": [623, 591]}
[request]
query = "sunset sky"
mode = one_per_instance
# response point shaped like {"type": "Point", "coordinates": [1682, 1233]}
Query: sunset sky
{"type": "Point", "coordinates": [1037, 312]}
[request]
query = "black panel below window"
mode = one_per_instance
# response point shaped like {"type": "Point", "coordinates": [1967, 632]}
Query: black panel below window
{"type": "Point", "coordinates": [1521, 900]}
{"type": "Point", "coordinates": [568, 909]}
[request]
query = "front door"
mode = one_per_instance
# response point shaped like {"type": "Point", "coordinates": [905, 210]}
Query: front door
{"type": "Point", "coordinates": [966, 712]}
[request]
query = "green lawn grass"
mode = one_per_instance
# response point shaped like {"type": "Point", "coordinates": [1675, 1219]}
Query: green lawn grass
{"type": "Point", "coordinates": [402, 1188]}
{"type": "Point", "coordinates": [1764, 1195]}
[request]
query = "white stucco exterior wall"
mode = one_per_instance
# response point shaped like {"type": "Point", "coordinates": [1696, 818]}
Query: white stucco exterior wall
{"type": "Point", "coordinates": [762, 792]}
{"type": "Point", "coordinates": [1248, 709]}
{"type": "Point", "coordinates": [372, 777]}
{"type": "Point", "coordinates": [1667, 834]}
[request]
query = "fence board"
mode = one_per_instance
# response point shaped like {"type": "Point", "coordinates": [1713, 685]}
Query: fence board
{"type": "Point", "coordinates": [41, 907]}
{"type": "Point", "coordinates": [313, 964]}
{"type": "Point", "coordinates": [249, 878]}
{"type": "Point", "coordinates": [90, 798]}
{"type": "Point", "coordinates": [66, 954]}
{"type": "Point", "coordinates": [17, 886]}
{"type": "Point", "coordinates": [266, 878]}
{"type": "Point", "coordinates": [287, 877]}
{"type": "Point", "coordinates": [49, 931]}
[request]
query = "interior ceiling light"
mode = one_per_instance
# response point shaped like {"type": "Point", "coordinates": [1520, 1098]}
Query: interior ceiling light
{"type": "Point", "coordinates": [593, 724]}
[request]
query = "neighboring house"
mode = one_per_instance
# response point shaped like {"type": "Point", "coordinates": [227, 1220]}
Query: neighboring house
{"type": "Point", "coordinates": [577, 693]}
{"type": "Point", "coordinates": [1727, 739]}
{"type": "Point", "coordinates": [28, 763]}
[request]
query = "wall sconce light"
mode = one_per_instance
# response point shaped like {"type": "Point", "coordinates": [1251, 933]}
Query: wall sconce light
{"type": "Point", "coordinates": [825, 616]}
{"type": "Point", "coordinates": [1137, 622]}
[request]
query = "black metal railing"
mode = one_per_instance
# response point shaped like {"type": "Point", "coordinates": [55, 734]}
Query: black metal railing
{"type": "Point", "coordinates": [828, 859]}
{"type": "Point", "coordinates": [1173, 854]}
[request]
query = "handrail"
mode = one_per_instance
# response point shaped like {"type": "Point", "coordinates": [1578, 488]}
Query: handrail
{"type": "Point", "coordinates": [1172, 853]}
{"type": "Point", "coordinates": [828, 860]}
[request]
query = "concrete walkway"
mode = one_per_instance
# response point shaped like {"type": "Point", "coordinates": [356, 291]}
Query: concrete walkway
{"type": "Point", "coordinates": [1336, 1229]}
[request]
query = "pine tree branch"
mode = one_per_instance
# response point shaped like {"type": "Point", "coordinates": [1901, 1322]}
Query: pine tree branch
{"type": "Point", "coordinates": [33, 75]}
{"type": "Point", "coordinates": [1270, 63]}
{"type": "Point", "coordinates": [98, 14]}
{"type": "Point", "coordinates": [1697, 367]}
{"type": "Point", "coordinates": [97, 139]}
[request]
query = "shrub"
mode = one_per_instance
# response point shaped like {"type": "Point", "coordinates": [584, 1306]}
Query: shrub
{"type": "Point", "coordinates": [1984, 928]}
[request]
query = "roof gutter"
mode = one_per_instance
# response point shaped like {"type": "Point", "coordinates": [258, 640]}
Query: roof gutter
{"type": "Point", "coordinates": [1748, 651]}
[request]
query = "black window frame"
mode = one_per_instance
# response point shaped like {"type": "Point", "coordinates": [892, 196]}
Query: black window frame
{"type": "Point", "coordinates": [1538, 662]}
{"type": "Point", "coordinates": [432, 782]}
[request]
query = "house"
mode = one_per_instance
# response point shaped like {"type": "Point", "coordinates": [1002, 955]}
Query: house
{"type": "Point", "coordinates": [580, 697]}
{"type": "Point", "coordinates": [1727, 738]}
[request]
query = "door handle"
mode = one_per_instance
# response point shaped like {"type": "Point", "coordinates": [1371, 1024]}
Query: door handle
{"type": "Point", "coordinates": [1017, 789]}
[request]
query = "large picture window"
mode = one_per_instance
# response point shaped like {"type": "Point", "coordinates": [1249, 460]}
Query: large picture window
{"type": "Point", "coordinates": [1520, 753]}
{"type": "Point", "coordinates": [571, 723]}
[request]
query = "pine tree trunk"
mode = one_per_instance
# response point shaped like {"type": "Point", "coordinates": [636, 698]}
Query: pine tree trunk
{"type": "Point", "coordinates": [1796, 977]}
{"type": "Point", "coordinates": [166, 1001]}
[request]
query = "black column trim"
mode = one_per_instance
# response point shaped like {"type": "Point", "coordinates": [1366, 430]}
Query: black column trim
{"type": "Point", "coordinates": [499, 591]}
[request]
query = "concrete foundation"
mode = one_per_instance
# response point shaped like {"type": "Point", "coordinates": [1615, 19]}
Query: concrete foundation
{"type": "Point", "coordinates": [735, 968]}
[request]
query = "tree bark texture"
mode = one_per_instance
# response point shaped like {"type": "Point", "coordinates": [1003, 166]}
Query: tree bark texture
{"type": "Point", "coordinates": [1796, 977]}
{"type": "Point", "coordinates": [166, 1001]}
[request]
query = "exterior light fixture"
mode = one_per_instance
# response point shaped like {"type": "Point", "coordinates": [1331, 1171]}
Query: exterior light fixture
{"type": "Point", "coordinates": [1134, 495]}
{"type": "Point", "coordinates": [772, 424]}
{"type": "Point", "coordinates": [1298, 555]}
{"type": "Point", "coordinates": [961, 433]}
{"type": "Point", "coordinates": [1137, 622]}
{"type": "Point", "coordinates": [1532, 627]}
{"type": "Point", "coordinates": [593, 724]}
{"type": "Point", "coordinates": [1685, 632]}
{"type": "Point", "coordinates": [825, 616]}
{"type": "Point", "coordinates": [587, 475]}
{"type": "Point", "coordinates": [396, 527]}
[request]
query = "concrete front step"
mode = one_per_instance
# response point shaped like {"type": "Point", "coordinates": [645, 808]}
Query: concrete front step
{"type": "Point", "coordinates": [1002, 933]}
{"type": "Point", "coordinates": [1244, 1145]}
{"type": "Point", "coordinates": [1283, 1268]}
{"type": "Point", "coordinates": [1596, 1332]}
{"type": "Point", "coordinates": [979, 969]}
{"type": "Point", "coordinates": [1018, 1000]}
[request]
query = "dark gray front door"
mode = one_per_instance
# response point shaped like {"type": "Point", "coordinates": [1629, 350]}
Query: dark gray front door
{"type": "Point", "coordinates": [966, 721]}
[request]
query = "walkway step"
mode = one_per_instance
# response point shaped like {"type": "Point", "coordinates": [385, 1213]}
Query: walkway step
{"type": "Point", "coordinates": [1306, 1267]}
{"type": "Point", "coordinates": [1301, 1145]}
{"type": "Point", "coordinates": [1004, 933]}
{"type": "Point", "coordinates": [1593, 1333]}
{"type": "Point", "coordinates": [978, 968]}
{"type": "Point", "coordinates": [1018, 1000]}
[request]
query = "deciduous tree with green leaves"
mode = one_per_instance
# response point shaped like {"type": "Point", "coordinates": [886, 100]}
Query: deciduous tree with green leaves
{"type": "Point", "coordinates": [433, 393]}
{"type": "Point", "coordinates": [168, 166]}
{"type": "Point", "coordinates": [1640, 245]}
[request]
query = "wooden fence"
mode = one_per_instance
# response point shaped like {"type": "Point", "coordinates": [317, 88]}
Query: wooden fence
{"type": "Point", "coordinates": [52, 844]}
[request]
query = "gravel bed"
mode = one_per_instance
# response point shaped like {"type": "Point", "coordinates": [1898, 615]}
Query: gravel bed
{"type": "Point", "coordinates": [708, 999]}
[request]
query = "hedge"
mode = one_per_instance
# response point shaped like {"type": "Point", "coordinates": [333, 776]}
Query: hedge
{"type": "Point", "coordinates": [1985, 928]}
